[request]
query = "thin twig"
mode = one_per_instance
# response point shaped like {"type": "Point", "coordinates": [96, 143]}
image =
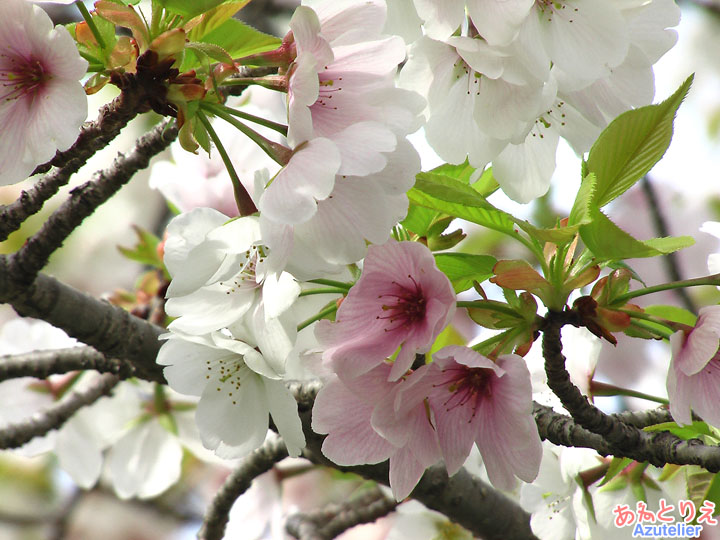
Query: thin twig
{"type": "Point", "coordinates": [260, 461]}
{"type": "Point", "coordinates": [16, 435]}
{"type": "Point", "coordinates": [333, 520]}
{"type": "Point", "coordinates": [463, 498]}
{"type": "Point", "coordinates": [93, 136]}
{"type": "Point", "coordinates": [41, 364]}
{"type": "Point", "coordinates": [84, 200]}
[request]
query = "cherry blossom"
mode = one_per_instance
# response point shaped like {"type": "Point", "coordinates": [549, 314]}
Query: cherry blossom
{"type": "Point", "coordinates": [407, 437]}
{"type": "Point", "coordinates": [219, 272]}
{"type": "Point", "coordinates": [42, 102]}
{"type": "Point", "coordinates": [476, 400]}
{"type": "Point", "coordinates": [694, 376]}
{"type": "Point", "coordinates": [238, 378]}
{"type": "Point", "coordinates": [401, 300]}
{"type": "Point", "coordinates": [358, 210]}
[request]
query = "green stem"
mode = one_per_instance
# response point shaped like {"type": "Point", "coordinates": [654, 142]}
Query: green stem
{"type": "Point", "coordinates": [672, 325]}
{"type": "Point", "coordinates": [327, 311]}
{"type": "Point", "coordinates": [605, 389]}
{"type": "Point", "coordinates": [273, 82]}
{"type": "Point", "coordinates": [652, 329]}
{"type": "Point", "coordinates": [490, 341]}
{"type": "Point", "coordinates": [328, 290]}
{"type": "Point", "coordinates": [707, 280]}
{"type": "Point", "coordinates": [277, 152]}
{"type": "Point", "coordinates": [245, 204]}
{"type": "Point", "coordinates": [490, 305]}
{"type": "Point", "coordinates": [331, 283]}
{"type": "Point", "coordinates": [91, 24]}
{"type": "Point", "coordinates": [280, 128]}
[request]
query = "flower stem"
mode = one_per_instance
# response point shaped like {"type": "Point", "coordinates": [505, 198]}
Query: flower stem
{"type": "Point", "coordinates": [277, 152]}
{"type": "Point", "coordinates": [280, 128]}
{"type": "Point", "coordinates": [605, 389]}
{"type": "Point", "coordinates": [273, 82]}
{"type": "Point", "coordinates": [707, 280]}
{"type": "Point", "coordinates": [245, 204]}
{"type": "Point", "coordinates": [91, 24]}
{"type": "Point", "coordinates": [325, 312]}
{"type": "Point", "coordinates": [326, 290]}
{"type": "Point", "coordinates": [490, 305]}
{"type": "Point", "coordinates": [331, 283]}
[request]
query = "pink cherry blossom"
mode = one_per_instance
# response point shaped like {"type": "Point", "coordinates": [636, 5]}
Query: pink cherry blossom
{"type": "Point", "coordinates": [407, 437]}
{"type": "Point", "coordinates": [694, 376]}
{"type": "Point", "coordinates": [401, 300]}
{"type": "Point", "coordinates": [42, 103]}
{"type": "Point", "coordinates": [476, 400]}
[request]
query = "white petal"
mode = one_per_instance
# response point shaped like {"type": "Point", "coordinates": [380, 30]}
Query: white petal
{"type": "Point", "coordinates": [284, 411]}
{"type": "Point", "coordinates": [309, 176]}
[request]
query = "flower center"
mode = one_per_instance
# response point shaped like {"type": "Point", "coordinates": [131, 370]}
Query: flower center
{"type": "Point", "coordinates": [327, 88]}
{"type": "Point", "coordinates": [469, 385]}
{"type": "Point", "coordinates": [406, 305]}
{"type": "Point", "coordinates": [549, 7]}
{"type": "Point", "coordinates": [20, 77]}
{"type": "Point", "coordinates": [246, 278]}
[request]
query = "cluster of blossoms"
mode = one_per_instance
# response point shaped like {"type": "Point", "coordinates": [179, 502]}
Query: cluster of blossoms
{"type": "Point", "coordinates": [415, 417]}
{"type": "Point", "coordinates": [523, 73]}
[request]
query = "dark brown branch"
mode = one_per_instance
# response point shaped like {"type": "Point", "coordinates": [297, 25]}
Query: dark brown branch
{"type": "Point", "coordinates": [658, 448]}
{"type": "Point", "coordinates": [463, 498]}
{"type": "Point", "coordinates": [93, 136]}
{"type": "Point", "coordinates": [109, 329]}
{"type": "Point", "coordinates": [261, 460]}
{"type": "Point", "coordinates": [641, 419]}
{"type": "Point", "coordinates": [334, 519]}
{"type": "Point", "coordinates": [41, 364]}
{"type": "Point", "coordinates": [83, 201]}
{"type": "Point", "coordinates": [16, 435]}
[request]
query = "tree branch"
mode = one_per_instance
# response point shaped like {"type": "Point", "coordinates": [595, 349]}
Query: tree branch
{"type": "Point", "coordinates": [41, 364]}
{"type": "Point", "coordinates": [109, 329]}
{"type": "Point", "coordinates": [16, 435]}
{"type": "Point", "coordinates": [658, 448]}
{"type": "Point", "coordinates": [26, 263]}
{"type": "Point", "coordinates": [333, 520]}
{"type": "Point", "coordinates": [93, 136]}
{"type": "Point", "coordinates": [260, 461]}
{"type": "Point", "coordinates": [463, 498]}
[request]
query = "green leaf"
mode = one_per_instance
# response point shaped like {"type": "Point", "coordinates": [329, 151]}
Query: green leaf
{"type": "Point", "coordinates": [449, 336]}
{"type": "Point", "coordinates": [556, 235]}
{"type": "Point", "coordinates": [463, 268]}
{"type": "Point", "coordinates": [608, 242]}
{"type": "Point", "coordinates": [693, 431]}
{"type": "Point", "coordinates": [457, 199]}
{"type": "Point", "coordinates": [702, 486]}
{"type": "Point", "coordinates": [631, 145]}
{"type": "Point", "coordinates": [190, 8]}
{"type": "Point", "coordinates": [145, 251]}
{"type": "Point", "coordinates": [239, 39]}
{"type": "Point", "coordinates": [580, 213]}
{"type": "Point", "coordinates": [616, 466]}
{"type": "Point", "coordinates": [672, 313]}
{"type": "Point", "coordinates": [215, 17]}
{"type": "Point", "coordinates": [210, 50]}
{"type": "Point", "coordinates": [419, 219]}
{"type": "Point", "coordinates": [462, 172]}
{"type": "Point", "coordinates": [486, 184]}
